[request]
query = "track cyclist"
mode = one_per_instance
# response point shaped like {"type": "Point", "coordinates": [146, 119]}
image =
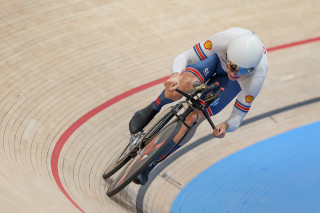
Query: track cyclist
{"type": "Point", "coordinates": [237, 58]}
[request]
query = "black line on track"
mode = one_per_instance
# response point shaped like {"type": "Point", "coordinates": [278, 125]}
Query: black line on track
{"type": "Point", "coordinates": [159, 168]}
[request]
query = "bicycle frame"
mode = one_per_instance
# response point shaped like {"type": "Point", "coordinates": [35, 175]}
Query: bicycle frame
{"type": "Point", "coordinates": [147, 144]}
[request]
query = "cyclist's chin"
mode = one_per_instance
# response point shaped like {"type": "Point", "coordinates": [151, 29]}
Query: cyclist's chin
{"type": "Point", "coordinates": [233, 77]}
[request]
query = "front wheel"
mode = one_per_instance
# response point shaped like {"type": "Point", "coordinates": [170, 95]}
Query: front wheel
{"type": "Point", "coordinates": [144, 158]}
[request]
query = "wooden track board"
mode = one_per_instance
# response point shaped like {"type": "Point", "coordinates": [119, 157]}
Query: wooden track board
{"type": "Point", "coordinates": [61, 59]}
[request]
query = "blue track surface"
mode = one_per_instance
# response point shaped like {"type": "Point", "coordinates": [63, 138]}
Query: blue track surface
{"type": "Point", "coordinates": [280, 174]}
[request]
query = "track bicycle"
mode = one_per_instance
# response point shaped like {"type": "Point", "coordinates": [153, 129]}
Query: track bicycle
{"type": "Point", "coordinates": [145, 146]}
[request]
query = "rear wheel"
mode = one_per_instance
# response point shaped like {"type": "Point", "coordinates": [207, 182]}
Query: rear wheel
{"type": "Point", "coordinates": [144, 158]}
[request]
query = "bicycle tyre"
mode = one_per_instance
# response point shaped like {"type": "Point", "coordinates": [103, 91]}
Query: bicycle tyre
{"type": "Point", "coordinates": [117, 164]}
{"type": "Point", "coordinates": [146, 156]}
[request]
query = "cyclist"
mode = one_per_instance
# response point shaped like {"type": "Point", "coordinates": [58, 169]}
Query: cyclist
{"type": "Point", "coordinates": [237, 58]}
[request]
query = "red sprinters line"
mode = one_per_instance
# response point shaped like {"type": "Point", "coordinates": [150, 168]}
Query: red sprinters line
{"type": "Point", "coordinates": [293, 44]}
{"type": "Point", "coordinates": [66, 135]}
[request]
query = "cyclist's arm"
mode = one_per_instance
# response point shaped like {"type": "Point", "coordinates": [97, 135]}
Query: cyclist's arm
{"type": "Point", "coordinates": [199, 52]}
{"type": "Point", "coordinates": [251, 86]}
{"type": "Point", "coordinates": [218, 43]}
{"type": "Point", "coordinates": [250, 90]}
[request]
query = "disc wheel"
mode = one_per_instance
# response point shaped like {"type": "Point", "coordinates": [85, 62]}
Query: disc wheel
{"type": "Point", "coordinates": [144, 158]}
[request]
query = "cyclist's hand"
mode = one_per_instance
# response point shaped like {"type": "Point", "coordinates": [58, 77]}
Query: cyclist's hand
{"type": "Point", "coordinates": [173, 82]}
{"type": "Point", "coordinates": [220, 130]}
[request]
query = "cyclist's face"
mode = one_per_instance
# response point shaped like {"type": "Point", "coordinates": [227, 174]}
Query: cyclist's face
{"type": "Point", "coordinates": [234, 71]}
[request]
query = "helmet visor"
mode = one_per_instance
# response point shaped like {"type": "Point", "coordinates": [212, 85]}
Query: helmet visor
{"type": "Point", "coordinates": [237, 70]}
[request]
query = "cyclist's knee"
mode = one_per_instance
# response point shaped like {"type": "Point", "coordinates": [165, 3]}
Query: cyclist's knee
{"type": "Point", "coordinates": [185, 84]}
{"type": "Point", "coordinates": [190, 120]}
{"type": "Point", "coordinates": [193, 117]}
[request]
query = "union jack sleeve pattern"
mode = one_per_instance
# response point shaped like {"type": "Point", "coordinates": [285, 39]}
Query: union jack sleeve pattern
{"type": "Point", "coordinates": [241, 107]}
{"type": "Point", "coordinates": [197, 48]}
{"type": "Point", "coordinates": [196, 73]}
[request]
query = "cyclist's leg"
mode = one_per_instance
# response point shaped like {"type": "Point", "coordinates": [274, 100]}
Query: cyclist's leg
{"type": "Point", "coordinates": [190, 120]}
{"type": "Point", "coordinates": [142, 178]}
{"type": "Point", "coordinates": [185, 85]}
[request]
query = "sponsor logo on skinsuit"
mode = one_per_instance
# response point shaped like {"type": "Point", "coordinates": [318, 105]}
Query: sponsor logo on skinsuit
{"type": "Point", "coordinates": [249, 98]}
{"type": "Point", "coordinates": [208, 45]}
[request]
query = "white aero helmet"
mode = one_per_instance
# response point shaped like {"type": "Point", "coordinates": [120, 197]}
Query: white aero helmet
{"type": "Point", "coordinates": [244, 54]}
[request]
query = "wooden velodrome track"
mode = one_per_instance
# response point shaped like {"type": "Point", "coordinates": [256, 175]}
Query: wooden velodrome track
{"type": "Point", "coordinates": [62, 59]}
